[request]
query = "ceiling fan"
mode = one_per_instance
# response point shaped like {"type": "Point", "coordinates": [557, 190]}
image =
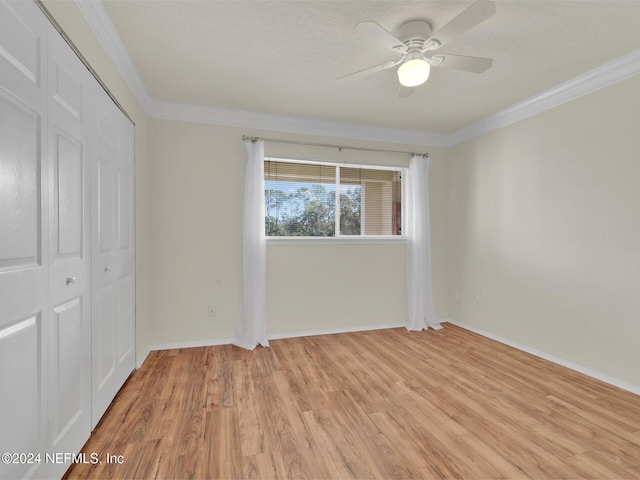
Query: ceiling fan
{"type": "Point", "coordinates": [418, 47]}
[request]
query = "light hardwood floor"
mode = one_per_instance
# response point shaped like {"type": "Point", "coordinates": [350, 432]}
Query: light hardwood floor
{"type": "Point", "coordinates": [380, 404]}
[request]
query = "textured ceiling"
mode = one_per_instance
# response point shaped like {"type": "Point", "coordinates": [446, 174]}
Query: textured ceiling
{"type": "Point", "coordinates": [282, 57]}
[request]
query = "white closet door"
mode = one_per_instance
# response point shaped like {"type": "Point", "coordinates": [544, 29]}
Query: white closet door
{"type": "Point", "coordinates": [69, 247]}
{"type": "Point", "coordinates": [23, 237]}
{"type": "Point", "coordinates": [67, 274]}
{"type": "Point", "coordinates": [125, 228]}
{"type": "Point", "coordinates": [112, 251]}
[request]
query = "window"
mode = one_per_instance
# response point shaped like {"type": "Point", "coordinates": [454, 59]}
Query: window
{"type": "Point", "coordinates": [309, 199]}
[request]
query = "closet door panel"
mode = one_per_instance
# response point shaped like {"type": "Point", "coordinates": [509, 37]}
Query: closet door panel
{"type": "Point", "coordinates": [69, 247]}
{"type": "Point", "coordinates": [21, 380]}
{"type": "Point", "coordinates": [103, 354]}
{"type": "Point", "coordinates": [125, 331]}
{"type": "Point", "coordinates": [66, 368]}
{"type": "Point", "coordinates": [69, 340]}
{"type": "Point", "coordinates": [113, 273]}
{"type": "Point", "coordinates": [105, 207]}
{"type": "Point", "coordinates": [125, 205]}
{"type": "Point", "coordinates": [125, 249]}
{"type": "Point", "coordinates": [69, 191]}
{"type": "Point", "coordinates": [23, 237]}
{"type": "Point", "coordinates": [104, 379]}
{"type": "Point", "coordinates": [20, 192]}
{"type": "Point", "coordinates": [21, 51]}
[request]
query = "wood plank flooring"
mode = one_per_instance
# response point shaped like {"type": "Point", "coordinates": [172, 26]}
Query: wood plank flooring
{"type": "Point", "coordinates": [380, 404]}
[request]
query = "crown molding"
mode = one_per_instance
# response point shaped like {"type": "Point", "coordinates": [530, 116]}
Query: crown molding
{"type": "Point", "coordinates": [302, 125]}
{"type": "Point", "coordinates": [100, 22]}
{"type": "Point", "coordinates": [610, 73]}
{"type": "Point", "coordinates": [98, 19]}
{"type": "Point", "coordinates": [102, 26]}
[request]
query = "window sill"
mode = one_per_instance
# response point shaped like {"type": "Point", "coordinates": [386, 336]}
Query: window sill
{"type": "Point", "coordinates": [377, 240]}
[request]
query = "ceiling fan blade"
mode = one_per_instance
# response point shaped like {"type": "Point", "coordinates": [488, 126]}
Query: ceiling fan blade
{"type": "Point", "coordinates": [460, 62]}
{"type": "Point", "coordinates": [472, 16]}
{"type": "Point", "coordinates": [368, 71]}
{"type": "Point", "coordinates": [379, 34]}
{"type": "Point", "coordinates": [404, 92]}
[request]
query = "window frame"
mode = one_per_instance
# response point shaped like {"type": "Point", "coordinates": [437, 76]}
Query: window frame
{"type": "Point", "coordinates": [338, 238]}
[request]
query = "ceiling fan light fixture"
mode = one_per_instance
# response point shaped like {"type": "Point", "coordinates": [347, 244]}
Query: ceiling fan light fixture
{"type": "Point", "coordinates": [414, 72]}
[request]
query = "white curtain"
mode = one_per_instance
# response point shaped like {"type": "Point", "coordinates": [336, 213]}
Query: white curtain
{"type": "Point", "coordinates": [421, 311]}
{"type": "Point", "coordinates": [250, 326]}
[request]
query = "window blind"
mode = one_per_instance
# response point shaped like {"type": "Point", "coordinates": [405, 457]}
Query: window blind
{"type": "Point", "coordinates": [300, 200]}
{"type": "Point", "coordinates": [370, 201]}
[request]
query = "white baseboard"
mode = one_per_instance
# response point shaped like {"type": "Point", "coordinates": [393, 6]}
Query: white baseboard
{"type": "Point", "coordinates": [331, 331]}
{"type": "Point", "coordinates": [274, 336]}
{"type": "Point", "coordinates": [552, 358]}
{"type": "Point", "coordinates": [192, 344]}
{"type": "Point", "coordinates": [246, 346]}
{"type": "Point", "coordinates": [143, 358]}
{"type": "Point", "coordinates": [174, 346]}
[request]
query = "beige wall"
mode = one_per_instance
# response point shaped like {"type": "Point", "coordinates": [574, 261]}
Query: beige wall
{"type": "Point", "coordinates": [197, 179]}
{"type": "Point", "coordinates": [311, 288]}
{"type": "Point", "coordinates": [70, 19]}
{"type": "Point", "coordinates": [544, 229]}
{"type": "Point", "coordinates": [538, 221]}
{"type": "Point", "coordinates": [188, 230]}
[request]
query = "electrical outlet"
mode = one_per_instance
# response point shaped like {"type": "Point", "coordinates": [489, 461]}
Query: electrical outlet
{"type": "Point", "coordinates": [211, 311]}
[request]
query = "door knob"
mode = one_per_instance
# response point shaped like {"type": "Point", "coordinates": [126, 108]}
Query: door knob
{"type": "Point", "coordinates": [71, 280]}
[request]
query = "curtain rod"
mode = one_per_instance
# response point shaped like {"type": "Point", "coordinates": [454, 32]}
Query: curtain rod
{"type": "Point", "coordinates": [327, 145]}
